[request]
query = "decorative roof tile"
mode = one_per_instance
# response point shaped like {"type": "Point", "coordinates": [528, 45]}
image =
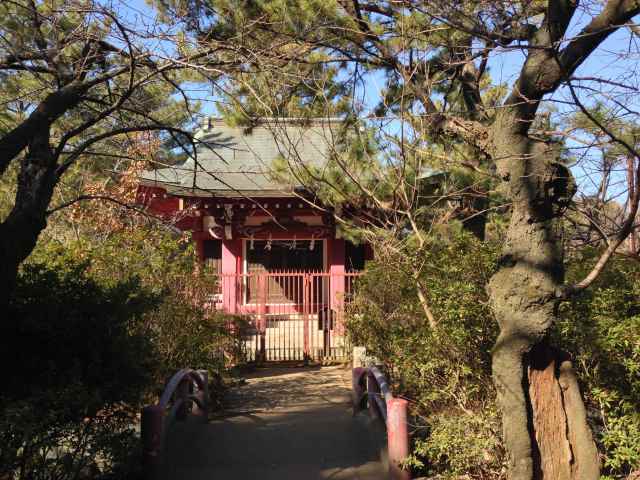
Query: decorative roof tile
{"type": "Point", "coordinates": [234, 161]}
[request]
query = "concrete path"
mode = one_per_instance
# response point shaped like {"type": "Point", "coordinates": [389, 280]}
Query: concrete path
{"type": "Point", "coordinates": [285, 423]}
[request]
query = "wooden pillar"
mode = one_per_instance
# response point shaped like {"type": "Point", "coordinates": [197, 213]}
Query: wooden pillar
{"type": "Point", "coordinates": [231, 254]}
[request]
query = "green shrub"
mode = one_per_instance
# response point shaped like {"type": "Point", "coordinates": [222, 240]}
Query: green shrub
{"type": "Point", "coordinates": [186, 336]}
{"type": "Point", "coordinates": [446, 371]}
{"type": "Point", "coordinates": [77, 364]}
{"type": "Point", "coordinates": [95, 330]}
{"type": "Point", "coordinates": [601, 329]}
{"type": "Point", "coordinates": [457, 444]}
{"type": "Point", "coordinates": [44, 436]}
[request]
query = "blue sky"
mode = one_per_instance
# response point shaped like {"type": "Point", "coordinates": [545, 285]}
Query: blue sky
{"type": "Point", "coordinates": [616, 59]}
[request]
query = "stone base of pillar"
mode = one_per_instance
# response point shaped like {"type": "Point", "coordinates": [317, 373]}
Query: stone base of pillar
{"type": "Point", "coordinates": [359, 357]}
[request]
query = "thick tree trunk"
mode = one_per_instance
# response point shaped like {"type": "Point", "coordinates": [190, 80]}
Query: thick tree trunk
{"type": "Point", "coordinates": [563, 445]}
{"type": "Point", "coordinates": [523, 297]}
{"type": "Point", "coordinates": [20, 230]}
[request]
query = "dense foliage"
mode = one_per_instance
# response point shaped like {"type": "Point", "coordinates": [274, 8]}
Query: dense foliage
{"type": "Point", "coordinates": [446, 372]}
{"type": "Point", "coordinates": [77, 79]}
{"type": "Point", "coordinates": [602, 331]}
{"type": "Point", "coordinates": [75, 355]}
{"type": "Point", "coordinates": [95, 330]}
{"type": "Point", "coordinates": [443, 88]}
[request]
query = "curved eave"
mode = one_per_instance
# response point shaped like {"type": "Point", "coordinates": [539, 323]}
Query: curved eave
{"type": "Point", "coordinates": [180, 190]}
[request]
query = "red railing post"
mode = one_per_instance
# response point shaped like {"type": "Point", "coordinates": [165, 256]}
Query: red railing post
{"type": "Point", "coordinates": [306, 308]}
{"type": "Point", "coordinates": [397, 438]}
{"type": "Point", "coordinates": [154, 421]}
{"type": "Point", "coordinates": [151, 434]}
{"type": "Point", "coordinates": [263, 295]}
{"type": "Point", "coordinates": [294, 300]}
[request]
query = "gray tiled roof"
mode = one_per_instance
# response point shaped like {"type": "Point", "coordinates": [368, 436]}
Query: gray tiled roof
{"type": "Point", "coordinates": [234, 162]}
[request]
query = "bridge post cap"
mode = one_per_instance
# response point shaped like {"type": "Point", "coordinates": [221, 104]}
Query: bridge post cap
{"type": "Point", "coordinates": [397, 402]}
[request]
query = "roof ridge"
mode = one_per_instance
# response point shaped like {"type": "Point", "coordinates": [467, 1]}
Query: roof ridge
{"type": "Point", "coordinates": [209, 121]}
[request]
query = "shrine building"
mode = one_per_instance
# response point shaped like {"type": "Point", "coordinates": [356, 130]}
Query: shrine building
{"type": "Point", "coordinates": [247, 223]}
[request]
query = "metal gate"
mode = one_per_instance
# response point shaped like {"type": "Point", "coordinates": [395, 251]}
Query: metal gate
{"type": "Point", "coordinates": [292, 315]}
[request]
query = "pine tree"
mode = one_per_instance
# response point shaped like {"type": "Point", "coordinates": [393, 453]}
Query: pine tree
{"type": "Point", "coordinates": [307, 58]}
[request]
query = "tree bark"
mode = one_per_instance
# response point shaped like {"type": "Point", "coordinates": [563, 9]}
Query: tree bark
{"type": "Point", "coordinates": [523, 297]}
{"type": "Point", "coordinates": [39, 122]}
{"type": "Point", "coordinates": [564, 447]}
{"type": "Point", "coordinates": [20, 230]}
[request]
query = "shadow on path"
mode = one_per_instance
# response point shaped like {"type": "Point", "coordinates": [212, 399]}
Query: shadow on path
{"type": "Point", "coordinates": [284, 423]}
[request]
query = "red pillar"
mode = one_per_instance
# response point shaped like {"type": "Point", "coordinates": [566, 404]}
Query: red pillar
{"type": "Point", "coordinates": [231, 253]}
{"type": "Point", "coordinates": [307, 310]}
